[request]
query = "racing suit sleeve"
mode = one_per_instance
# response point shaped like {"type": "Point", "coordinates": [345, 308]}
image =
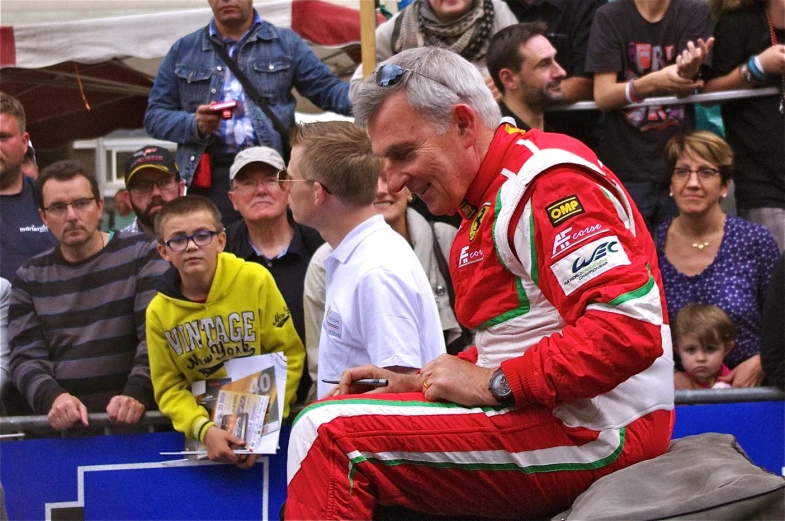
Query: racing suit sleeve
{"type": "Point", "coordinates": [602, 286]}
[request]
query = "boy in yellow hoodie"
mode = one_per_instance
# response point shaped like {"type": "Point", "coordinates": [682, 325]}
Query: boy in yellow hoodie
{"type": "Point", "coordinates": [210, 307]}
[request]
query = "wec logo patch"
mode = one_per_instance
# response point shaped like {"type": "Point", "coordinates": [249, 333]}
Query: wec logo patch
{"type": "Point", "coordinates": [589, 262]}
{"type": "Point", "coordinates": [564, 209]}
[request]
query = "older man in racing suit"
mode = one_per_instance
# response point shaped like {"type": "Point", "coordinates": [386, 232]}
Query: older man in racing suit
{"type": "Point", "coordinates": [571, 375]}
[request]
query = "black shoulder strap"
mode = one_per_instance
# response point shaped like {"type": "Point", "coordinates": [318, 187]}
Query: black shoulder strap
{"type": "Point", "coordinates": [251, 91]}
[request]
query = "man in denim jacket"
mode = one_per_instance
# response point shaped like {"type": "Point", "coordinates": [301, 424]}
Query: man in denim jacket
{"type": "Point", "coordinates": [193, 75]}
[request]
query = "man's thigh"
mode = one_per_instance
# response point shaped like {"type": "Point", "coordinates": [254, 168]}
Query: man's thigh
{"type": "Point", "coordinates": [450, 460]}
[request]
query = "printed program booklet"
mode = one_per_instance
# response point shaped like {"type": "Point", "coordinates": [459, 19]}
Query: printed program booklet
{"type": "Point", "coordinates": [246, 402]}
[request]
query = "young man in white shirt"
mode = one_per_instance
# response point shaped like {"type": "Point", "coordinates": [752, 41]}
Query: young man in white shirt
{"type": "Point", "coordinates": [379, 308]}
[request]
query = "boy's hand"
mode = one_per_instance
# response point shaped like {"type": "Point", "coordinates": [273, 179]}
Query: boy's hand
{"type": "Point", "coordinates": [219, 448]}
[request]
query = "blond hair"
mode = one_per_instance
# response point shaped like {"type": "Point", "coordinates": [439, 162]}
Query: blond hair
{"type": "Point", "coordinates": [338, 155]}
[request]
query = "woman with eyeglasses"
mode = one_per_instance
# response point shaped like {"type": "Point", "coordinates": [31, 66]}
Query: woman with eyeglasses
{"type": "Point", "coordinates": [709, 257]}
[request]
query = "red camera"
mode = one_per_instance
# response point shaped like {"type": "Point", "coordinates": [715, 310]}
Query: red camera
{"type": "Point", "coordinates": [225, 108]}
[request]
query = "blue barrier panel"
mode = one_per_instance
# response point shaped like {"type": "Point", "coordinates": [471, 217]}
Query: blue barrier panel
{"type": "Point", "coordinates": [759, 428]}
{"type": "Point", "coordinates": [124, 477]}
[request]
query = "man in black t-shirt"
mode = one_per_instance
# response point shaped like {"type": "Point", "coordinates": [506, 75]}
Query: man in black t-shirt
{"type": "Point", "coordinates": [633, 51]}
{"type": "Point", "coordinates": [755, 127]}
{"type": "Point", "coordinates": [23, 235]}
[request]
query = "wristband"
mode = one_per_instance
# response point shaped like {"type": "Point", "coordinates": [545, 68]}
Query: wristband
{"type": "Point", "coordinates": [630, 94]}
{"type": "Point", "coordinates": [755, 69]}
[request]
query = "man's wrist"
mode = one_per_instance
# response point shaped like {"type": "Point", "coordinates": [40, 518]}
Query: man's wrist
{"type": "Point", "coordinates": [500, 388]}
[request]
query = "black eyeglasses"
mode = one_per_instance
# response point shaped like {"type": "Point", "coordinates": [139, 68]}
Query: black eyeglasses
{"type": "Point", "coordinates": [704, 174]}
{"type": "Point", "coordinates": [203, 238]}
{"type": "Point", "coordinates": [79, 205]}
{"type": "Point", "coordinates": [391, 74]}
{"type": "Point", "coordinates": [284, 177]}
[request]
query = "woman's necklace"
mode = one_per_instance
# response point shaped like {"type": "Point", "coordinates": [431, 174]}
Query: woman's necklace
{"type": "Point", "coordinates": [774, 41]}
{"type": "Point", "coordinates": [700, 245]}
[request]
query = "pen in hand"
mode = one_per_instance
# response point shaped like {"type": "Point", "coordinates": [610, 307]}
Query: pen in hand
{"type": "Point", "coordinates": [375, 382]}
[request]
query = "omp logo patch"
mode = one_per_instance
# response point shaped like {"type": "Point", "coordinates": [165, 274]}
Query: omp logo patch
{"type": "Point", "coordinates": [564, 209]}
{"type": "Point", "coordinates": [466, 257]}
{"type": "Point", "coordinates": [566, 238]}
{"type": "Point", "coordinates": [477, 222]}
{"type": "Point", "coordinates": [589, 262]}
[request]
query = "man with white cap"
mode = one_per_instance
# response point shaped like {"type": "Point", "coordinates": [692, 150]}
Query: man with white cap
{"type": "Point", "coordinates": [267, 234]}
{"type": "Point", "coordinates": [152, 179]}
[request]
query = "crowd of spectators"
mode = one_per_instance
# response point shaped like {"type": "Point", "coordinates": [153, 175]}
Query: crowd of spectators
{"type": "Point", "coordinates": [73, 297]}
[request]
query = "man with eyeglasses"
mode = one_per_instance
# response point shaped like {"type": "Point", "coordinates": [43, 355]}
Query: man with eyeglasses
{"type": "Point", "coordinates": [76, 319]}
{"type": "Point", "coordinates": [379, 305]}
{"type": "Point", "coordinates": [152, 179]}
{"type": "Point", "coordinates": [268, 234]}
{"type": "Point", "coordinates": [571, 377]}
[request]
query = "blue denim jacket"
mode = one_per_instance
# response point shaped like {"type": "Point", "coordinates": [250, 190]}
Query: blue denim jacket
{"type": "Point", "coordinates": [274, 59]}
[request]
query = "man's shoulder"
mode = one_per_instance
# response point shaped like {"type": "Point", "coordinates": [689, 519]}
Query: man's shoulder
{"type": "Point", "coordinates": [42, 261]}
{"type": "Point", "coordinates": [612, 9]}
{"type": "Point", "coordinates": [190, 38]}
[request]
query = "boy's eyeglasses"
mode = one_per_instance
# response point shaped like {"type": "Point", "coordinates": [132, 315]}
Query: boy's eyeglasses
{"type": "Point", "coordinates": [704, 174]}
{"type": "Point", "coordinates": [284, 177]}
{"type": "Point", "coordinates": [79, 205]}
{"type": "Point", "coordinates": [146, 187]}
{"type": "Point", "coordinates": [391, 74]}
{"type": "Point", "coordinates": [203, 238]}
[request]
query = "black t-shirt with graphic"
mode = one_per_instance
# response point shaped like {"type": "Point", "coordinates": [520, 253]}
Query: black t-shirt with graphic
{"type": "Point", "coordinates": [624, 42]}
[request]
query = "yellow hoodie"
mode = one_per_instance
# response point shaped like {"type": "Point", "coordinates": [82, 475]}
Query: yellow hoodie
{"type": "Point", "coordinates": [244, 315]}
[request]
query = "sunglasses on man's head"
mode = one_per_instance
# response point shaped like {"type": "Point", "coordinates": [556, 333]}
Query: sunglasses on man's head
{"type": "Point", "coordinates": [391, 74]}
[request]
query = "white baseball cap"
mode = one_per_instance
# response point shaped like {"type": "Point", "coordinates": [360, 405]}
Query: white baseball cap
{"type": "Point", "coordinates": [264, 155]}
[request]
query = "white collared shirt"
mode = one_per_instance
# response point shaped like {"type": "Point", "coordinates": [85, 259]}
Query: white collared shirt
{"type": "Point", "coordinates": [379, 308]}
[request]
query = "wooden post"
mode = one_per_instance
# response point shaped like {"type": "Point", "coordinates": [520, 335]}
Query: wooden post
{"type": "Point", "coordinates": [368, 36]}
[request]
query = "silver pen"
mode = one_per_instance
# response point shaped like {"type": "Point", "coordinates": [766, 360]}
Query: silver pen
{"type": "Point", "coordinates": [376, 382]}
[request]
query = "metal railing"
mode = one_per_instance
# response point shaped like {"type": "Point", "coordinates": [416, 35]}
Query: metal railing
{"type": "Point", "coordinates": [712, 97]}
{"type": "Point", "coordinates": [14, 427]}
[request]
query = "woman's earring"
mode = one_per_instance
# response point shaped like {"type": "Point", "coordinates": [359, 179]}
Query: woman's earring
{"type": "Point", "coordinates": [670, 193]}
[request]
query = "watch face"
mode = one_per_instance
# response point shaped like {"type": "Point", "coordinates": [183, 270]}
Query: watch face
{"type": "Point", "coordinates": [500, 387]}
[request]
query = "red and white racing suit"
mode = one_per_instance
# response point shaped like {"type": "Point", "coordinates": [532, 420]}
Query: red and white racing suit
{"type": "Point", "coordinates": [556, 271]}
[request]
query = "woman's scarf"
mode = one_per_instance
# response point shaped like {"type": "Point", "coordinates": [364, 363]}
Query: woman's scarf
{"type": "Point", "coordinates": [468, 36]}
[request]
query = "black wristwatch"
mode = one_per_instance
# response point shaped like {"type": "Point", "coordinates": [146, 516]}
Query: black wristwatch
{"type": "Point", "coordinates": [500, 388]}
